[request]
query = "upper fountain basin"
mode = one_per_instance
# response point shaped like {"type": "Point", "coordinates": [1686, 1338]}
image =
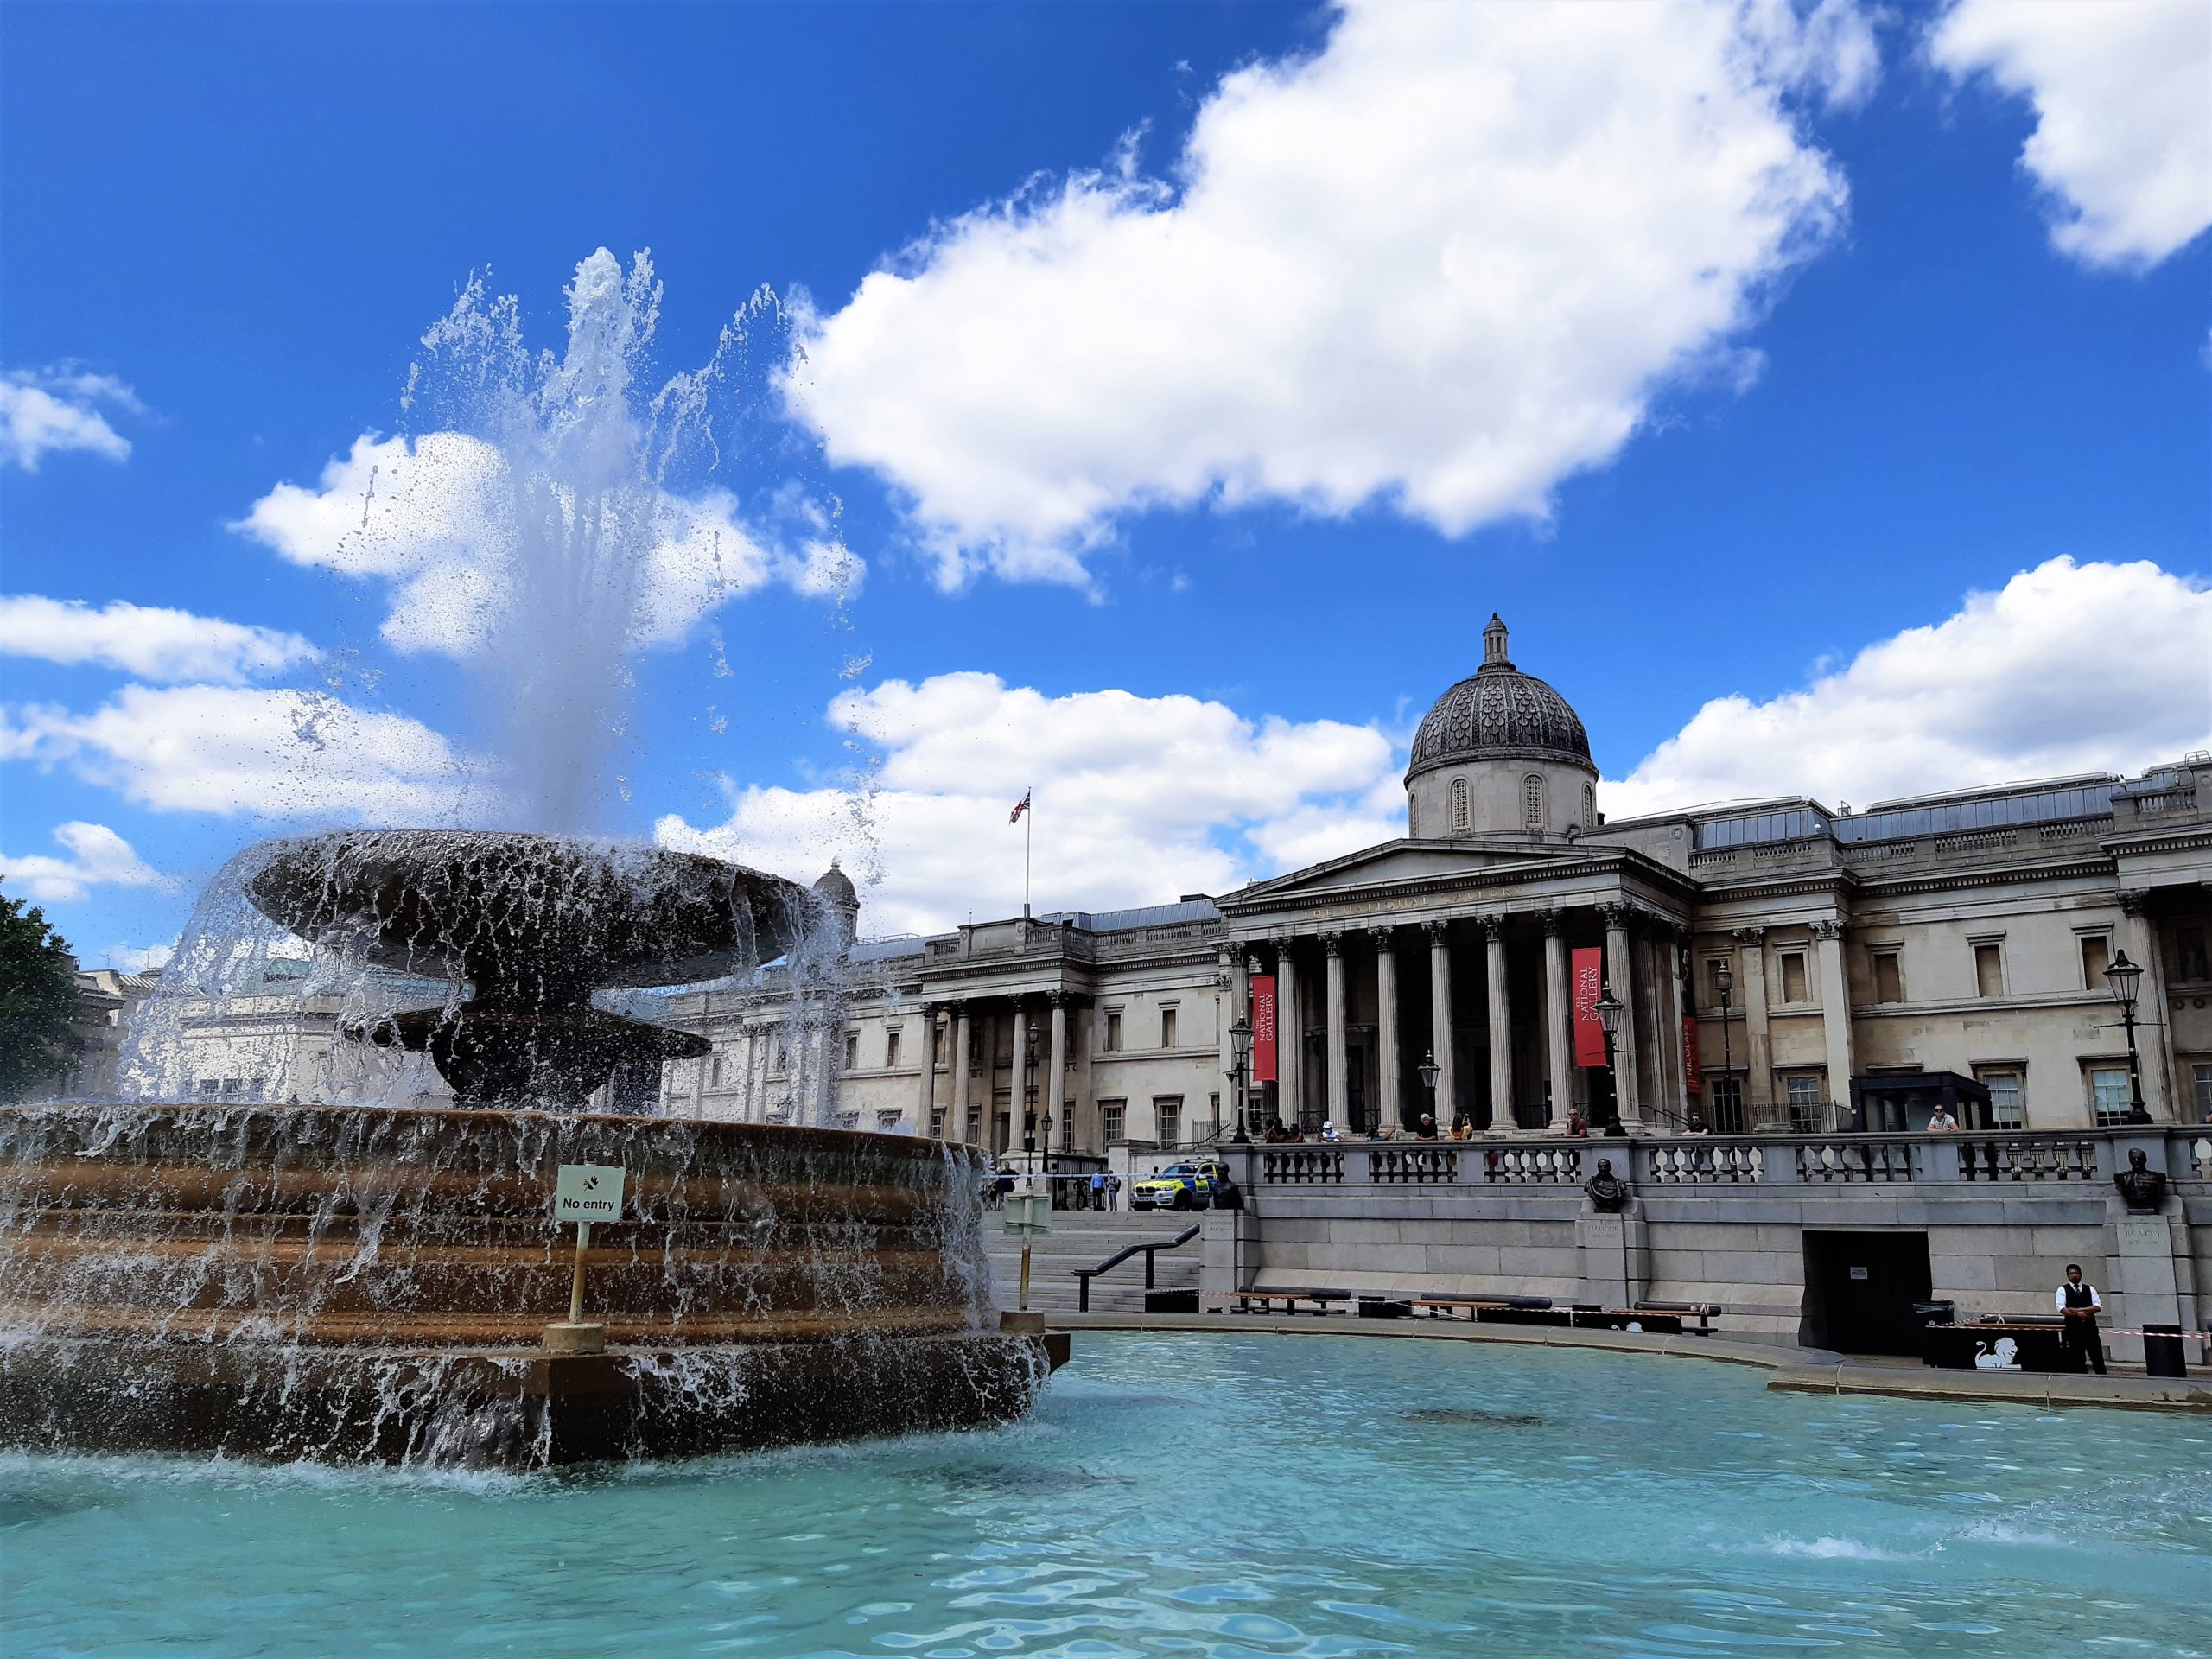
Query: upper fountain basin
{"type": "Point", "coordinates": [500, 906]}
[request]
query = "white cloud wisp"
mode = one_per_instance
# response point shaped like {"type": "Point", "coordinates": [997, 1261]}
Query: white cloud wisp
{"type": "Point", "coordinates": [97, 857]}
{"type": "Point", "coordinates": [2122, 90]}
{"type": "Point", "coordinates": [152, 642]}
{"type": "Point", "coordinates": [54, 411]}
{"type": "Point", "coordinates": [1137, 799]}
{"type": "Point", "coordinates": [250, 751]}
{"type": "Point", "coordinates": [433, 520]}
{"type": "Point", "coordinates": [1443, 263]}
{"type": "Point", "coordinates": [2068, 668]}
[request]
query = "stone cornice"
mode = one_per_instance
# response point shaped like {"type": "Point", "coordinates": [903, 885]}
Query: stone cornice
{"type": "Point", "coordinates": [2194, 838]}
{"type": "Point", "coordinates": [1987, 876]}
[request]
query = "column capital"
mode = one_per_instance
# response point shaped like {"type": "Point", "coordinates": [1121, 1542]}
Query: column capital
{"type": "Point", "coordinates": [1749, 934]}
{"type": "Point", "coordinates": [1056, 997]}
{"type": "Point", "coordinates": [2134, 901]}
{"type": "Point", "coordinates": [1436, 932]}
{"type": "Point", "coordinates": [1380, 935]}
{"type": "Point", "coordinates": [1554, 922]}
{"type": "Point", "coordinates": [1332, 942]}
{"type": "Point", "coordinates": [1824, 929]}
{"type": "Point", "coordinates": [1617, 914]}
{"type": "Point", "coordinates": [1493, 925]}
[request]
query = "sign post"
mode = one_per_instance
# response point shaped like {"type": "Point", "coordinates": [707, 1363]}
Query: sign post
{"type": "Point", "coordinates": [1028, 1214]}
{"type": "Point", "coordinates": [582, 1193]}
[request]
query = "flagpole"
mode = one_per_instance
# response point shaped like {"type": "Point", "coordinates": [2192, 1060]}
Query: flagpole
{"type": "Point", "coordinates": [1028, 841]}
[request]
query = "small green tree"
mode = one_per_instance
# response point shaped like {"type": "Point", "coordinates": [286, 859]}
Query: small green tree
{"type": "Point", "coordinates": [38, 1000]}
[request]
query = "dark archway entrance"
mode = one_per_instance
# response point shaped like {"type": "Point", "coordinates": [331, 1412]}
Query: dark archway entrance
{"type": "Point", "coordinates": [1859, 1289]}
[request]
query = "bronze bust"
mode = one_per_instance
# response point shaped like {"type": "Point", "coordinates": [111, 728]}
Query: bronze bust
{"type": "Point", "coordinates": [1607, 1190]}
{"type": "Point", "coordinates": [2145, 1189]}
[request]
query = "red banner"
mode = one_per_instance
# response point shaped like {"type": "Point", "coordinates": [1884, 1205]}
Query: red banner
{"type": "Point", "coordinates": [1588, 974]}
{"type": "Point", "coordinates": [1263, 1028]}
{"type": "Point", "coordinates": [1692, 1069]}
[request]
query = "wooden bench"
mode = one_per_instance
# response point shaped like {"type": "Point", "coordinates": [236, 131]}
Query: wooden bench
{"type": "Point", "coordinates": [1324, 1300]}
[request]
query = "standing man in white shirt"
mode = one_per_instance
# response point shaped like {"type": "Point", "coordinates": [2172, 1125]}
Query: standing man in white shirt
{"type": "Point", "coordinates": [2079, 1304]}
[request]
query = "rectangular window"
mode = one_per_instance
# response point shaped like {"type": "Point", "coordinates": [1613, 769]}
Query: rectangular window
{"type": "Point", "coordinates": [2008, 1099]}
{"type": "Point", "coordinates": [208, 1088]}
{"type": "Point", "coordinates": [1803, 1093]}
{"type": "Point", "coordinates": [1113, 1119]}
{"type": "Point", "coordinates": [891, 1048]}
{"type": "Point", "coordinates": [715, 1072]}
{"type": "Point", "coordinates": [852, 1051]}
{"type": "Point", "coordinates": [1067, 1127]}
{"type": "Point", "coordinates": [1726, 1096]}
{"type": "Point", "coordinates": [887, 1122]}
{"type": "Point", "coordinates": [783, 1056]}
{"type": "Point", "coordinates": [937, 1045]}
{"type": "Point", "coordinates": [974, 1128]}
{"type": "Point", "coordinates": [1988, 970]}
{"type": "Point", "coordinates": [1167, 1120]}
{"type": "Point", "coordinates": [1889, 984]}
{"type": "Point", "coordinates": [1167, 1027]}
{"type": "Point", "coordinates": [2203, 1093]}
{"type": "Point", "coordinates": [1213, 1112]}
{"type": "Point", "coordinates": [1793, 978]}
{"type": "Point", "coordinates": [2189, 957]}
{"type": "Point", "coordinates": [2108, 1093]}
{"type": "Point", "coordinates": [1113, 1030]}
{"type": "Point", "coordinates": [2096, 956]}
{"type": "Point", "coordinates": [936, 1124]}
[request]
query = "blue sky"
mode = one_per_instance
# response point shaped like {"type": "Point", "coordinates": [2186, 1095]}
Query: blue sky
{"type": "Point", "coordinates": [1707, 411]}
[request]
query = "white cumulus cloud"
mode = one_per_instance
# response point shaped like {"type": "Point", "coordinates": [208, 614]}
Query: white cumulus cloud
{"type": "Point", "coordinates": [252, 751]}
{"type": "Point", "coordinates": [2122, 90]}
{"type": "Point", "coordinates": [1441, 264]}
{"type": "Point", "coordinates": [151, 641]}
{"type": "Point", "coordinates": [43, 411]}
{"type": "Point", "coordinates": [2068, 668]}
{"type": "Point", "coordinates": [434, 519]}
{"type": "Point", "coordinates": [1137, 799]}
{"type": "Point", "coordinates": [97, 857]}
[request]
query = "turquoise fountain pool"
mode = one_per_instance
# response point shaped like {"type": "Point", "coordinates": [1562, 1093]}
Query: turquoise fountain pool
{"type": "Point", "coordinates": [1218, 1495]}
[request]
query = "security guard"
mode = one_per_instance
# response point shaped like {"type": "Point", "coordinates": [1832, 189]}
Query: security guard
{"type": "Point", "coordinates": [2079, 1304]}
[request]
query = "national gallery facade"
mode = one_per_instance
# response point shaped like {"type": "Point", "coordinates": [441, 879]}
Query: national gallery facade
{"type": "Point", "coordinates": [1768, 966]}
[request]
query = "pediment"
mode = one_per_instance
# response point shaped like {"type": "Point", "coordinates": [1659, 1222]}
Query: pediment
{"type": "Point", "coordinates": [1409, 862]}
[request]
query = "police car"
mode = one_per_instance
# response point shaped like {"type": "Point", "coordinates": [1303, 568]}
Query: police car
{"type": "Point", "coordinates": [1200, 1184]}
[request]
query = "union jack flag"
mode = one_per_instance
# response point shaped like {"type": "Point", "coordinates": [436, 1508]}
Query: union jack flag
{"type": "Point", "coordinates": [1020, 806]}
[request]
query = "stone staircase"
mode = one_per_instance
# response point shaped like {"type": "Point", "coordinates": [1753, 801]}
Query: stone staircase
{"type": "Point", "coordinates": [1084, 1238]}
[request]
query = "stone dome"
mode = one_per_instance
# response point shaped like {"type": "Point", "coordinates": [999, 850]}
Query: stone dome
{"type": "Point", "coordinates": [1497, 713]}
{"type": "Point", "coordinates": [835, 889]}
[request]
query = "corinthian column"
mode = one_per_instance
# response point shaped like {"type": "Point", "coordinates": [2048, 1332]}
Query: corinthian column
{"type": "Point", "coordinates": [1835, 1012]}
{"type": "Point", "coordinates": [1500, 1024]}
{"type": "Point", "coordinates": [1440, 1019]}
{"type": "Point", "coordinates": [964, 1037]}
{"type": "Point", "coordinates": [1388, 1086]}
{"type": "Point", "coordinates": [1339, 1062]}
{"type": "Point", "coordinates": [1055, 1079]}
{"type": "Point", "coordinates": [925, 1096]}
{"type": "Point", "coordinates": [1618, 971]}
{"type": "Point", "coordinates": [1290, 1037]}
{"type": "Point", "coordinates": [1559, 1014]}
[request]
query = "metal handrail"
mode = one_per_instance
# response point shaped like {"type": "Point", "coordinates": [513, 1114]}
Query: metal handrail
{"type": "Point", "coordinates": [1085, 1275]}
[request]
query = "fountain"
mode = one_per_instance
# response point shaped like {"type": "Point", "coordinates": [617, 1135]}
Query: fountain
{"type": "Point", "coordinates": [358, 1281]}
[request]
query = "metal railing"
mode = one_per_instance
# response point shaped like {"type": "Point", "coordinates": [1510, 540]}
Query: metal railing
{"type": "Point", "coordinates": [1085, 1275]}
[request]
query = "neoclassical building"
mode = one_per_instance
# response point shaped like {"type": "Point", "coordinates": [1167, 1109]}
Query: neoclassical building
{"type": "Point", "coordinates": [1780, 965]}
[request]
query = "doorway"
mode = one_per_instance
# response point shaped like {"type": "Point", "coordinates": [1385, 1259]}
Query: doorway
{"type": "Point", "coordinates": [1859, 1289]}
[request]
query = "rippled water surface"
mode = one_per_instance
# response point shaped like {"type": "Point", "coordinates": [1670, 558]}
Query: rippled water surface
{"type": "Point", "coordinates": [1234, 1494]}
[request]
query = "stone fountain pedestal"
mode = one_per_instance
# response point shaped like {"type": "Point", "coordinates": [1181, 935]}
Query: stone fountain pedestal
{"type": "Point", "coordinates": [356, 1284]}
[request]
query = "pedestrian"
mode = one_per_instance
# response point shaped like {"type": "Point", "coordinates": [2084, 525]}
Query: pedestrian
{"type": "Point", "coordinates": [1578, 1126]}
{"type": "Point", "coordinates": [1113, 1192]}
{"type": "Point", "coordinates": [1428, 1130]}
{"type": "Point", "coordinates": [1098, 1189]}
{"type": "Point", "coordinates": [1943, 1122]}
{"type": "Point", "coordinates": [2079, 1304]}
{"type": "Point", "coordinates": [1329, 1132]}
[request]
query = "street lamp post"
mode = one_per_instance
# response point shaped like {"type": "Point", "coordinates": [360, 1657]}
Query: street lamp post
{"type": "Point", "coordinates": [1240, 1041]}
{"type": "Point", "coordinates": [2125, 978]}
{"type": "Point", "coordinates": [1724, 980]}
{"type": "Point", "coordinates": [1610, 1009]}
{"type": "Point", "coordinates": [1430, 1073]}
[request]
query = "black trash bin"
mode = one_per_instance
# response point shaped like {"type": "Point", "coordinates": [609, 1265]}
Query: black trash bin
{"type": "Point", "coordinates": [2162, 1355]}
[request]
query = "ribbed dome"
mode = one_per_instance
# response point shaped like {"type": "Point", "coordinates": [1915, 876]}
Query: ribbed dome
{"type": "Point", "coordinates": [1498, 713]}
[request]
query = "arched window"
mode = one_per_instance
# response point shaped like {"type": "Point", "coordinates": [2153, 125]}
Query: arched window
{"type": "Point", "coordinates": [1532, 800]}
{"type": "Point", "coordinates": [1589, 806]}
{"type": "Point", "coordinates": [1460, 819]}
